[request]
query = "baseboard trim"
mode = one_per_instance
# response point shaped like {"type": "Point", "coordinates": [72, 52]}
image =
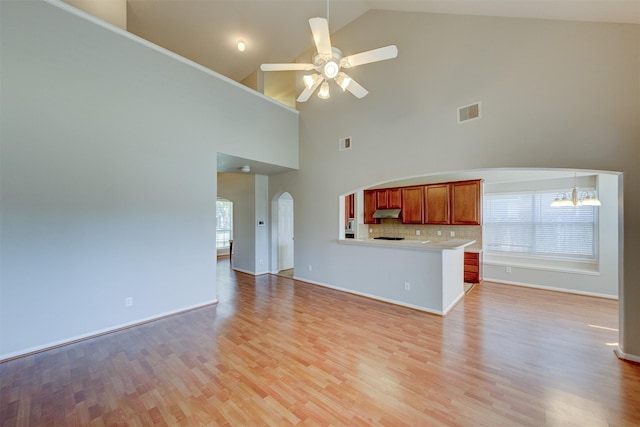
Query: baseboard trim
{"type": "Point", "coordinates": [375, 297]}
{"type": "Point", "coordinates": [453, 304]}
{"type": "Point", "coordinates": [79, 338]}
{"type": "Point", "coordinates": [252, 273]}
{"type": "Point", "coordinates": [626, 357]}
{"type": "Point", "coordinates": [551, 288]}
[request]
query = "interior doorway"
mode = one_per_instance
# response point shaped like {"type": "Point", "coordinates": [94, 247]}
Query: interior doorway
{"type": "Point", "coordinates": [285, 235]}
{"type": "Point", "coordinates": [224, 227]}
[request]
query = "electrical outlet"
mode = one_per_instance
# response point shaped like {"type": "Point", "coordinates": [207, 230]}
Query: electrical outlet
{"type": "Point", "coordinates": [452, 233]}
{"type": "Point", "coordinates": [310, 267]}
{"type": "Point", "coordinates": [417, 232]}
{"type": "Point", "coordinates": [128, 302]}
{"type": "Point", "coordinates": [371, 230]}
{"type": "Point", "coordinates": [407, 286]}
{"type": "Point", "coordinates": [439, 233]}
{"type": "Point", "coordinates": [261, 262]}
{"type": "Point", "coordinates": [508, 269]}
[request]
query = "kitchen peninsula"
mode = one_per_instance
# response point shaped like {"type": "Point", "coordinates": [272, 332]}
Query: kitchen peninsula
{"type": "Point", "coordinates": [417, 274]}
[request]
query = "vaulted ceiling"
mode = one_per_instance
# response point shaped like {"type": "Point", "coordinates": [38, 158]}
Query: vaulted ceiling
{"type": "Point", "coordinates": [207, 31]}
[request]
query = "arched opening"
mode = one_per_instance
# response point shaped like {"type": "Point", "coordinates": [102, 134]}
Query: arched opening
{"type": "Point", "coordinates": [560, 250]}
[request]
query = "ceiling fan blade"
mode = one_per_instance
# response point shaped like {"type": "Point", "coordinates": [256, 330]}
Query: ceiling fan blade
{"type": "Point", "coordinates": [374, 55]}
{"type": "Point", "coordinates": [355, 88]}
{"type": "Point", "coordinates": [320, 31]}
{"type": "Point", "coordinates": [286, 67]}
{"type": "Point", "coordinates": [306, 93]}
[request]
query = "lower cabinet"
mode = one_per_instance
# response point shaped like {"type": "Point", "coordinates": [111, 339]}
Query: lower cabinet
{"type": "Point", "coordinates": [472, 267]}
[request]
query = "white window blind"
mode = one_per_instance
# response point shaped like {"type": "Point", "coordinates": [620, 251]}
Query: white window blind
{"type": "Point", "coordinates": [525, 223]}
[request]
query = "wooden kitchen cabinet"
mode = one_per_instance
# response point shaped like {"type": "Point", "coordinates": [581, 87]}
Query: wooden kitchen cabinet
{"type": "Point", "coordinates": [472, 267]}
{"type": "Point", "coordinates": [436, 204]}
{"type": "Point", "coordinates": [454, 203]}
{"type": "Point", "coordinates": [465, 203]}
{"type": "Point", "coordinates": [394, 198]}
{"type": "Point", "coordinates": [370, 206]}
{"type": "Point", "coordinates": [349, 208]}
{"type": "Point", "coordinates": [382, 199]}
{"type": "Point", "coordinates": [412, 205]}
{"type": "Point", "coordinates": [389, 198]}
{"type": "Point", "coordinates": [351, 205]}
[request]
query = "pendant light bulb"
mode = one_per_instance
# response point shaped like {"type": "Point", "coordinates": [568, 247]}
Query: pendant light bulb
{"type": "Point", "coordinates": [324, 90]}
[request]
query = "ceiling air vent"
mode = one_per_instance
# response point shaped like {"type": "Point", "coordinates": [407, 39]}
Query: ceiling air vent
{"type": "Point", "coordinates": [469, 112]}
{"type": "Point", "coordinates": [344, 143]}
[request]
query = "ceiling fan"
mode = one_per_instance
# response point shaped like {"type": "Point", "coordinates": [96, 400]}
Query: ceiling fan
{"type": "Point", "coordinates": [328, 62]}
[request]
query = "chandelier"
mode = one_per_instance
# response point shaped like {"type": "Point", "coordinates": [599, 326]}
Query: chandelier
{"type": "Point", "coordinates": [576, 198]}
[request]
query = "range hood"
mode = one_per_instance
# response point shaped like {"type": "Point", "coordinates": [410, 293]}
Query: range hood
{"type": "Point", "coordinates": [386, 213]}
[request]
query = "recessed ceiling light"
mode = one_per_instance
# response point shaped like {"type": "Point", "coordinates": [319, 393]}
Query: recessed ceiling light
{"type": "Point", "coordinates": [241, 46]}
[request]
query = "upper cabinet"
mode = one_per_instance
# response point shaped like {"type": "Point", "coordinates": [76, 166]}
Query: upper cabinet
{"type": "Point", "coordinates": [370, 207]}
{"type": "Point", "coordinates": [386, 198]}
{"type": "Point", "coordinates": [352, 205]}
{"type": "Point", "coordinates": [412, 205]}
{"type": "Point", "coordinates": [381, 199]}
{"type": "Point", "coordinates": [466, 206]}
{"type": "Point", "coordinates": [389, 198]}
{"type": "Point", "coordinates": [349, 208]}
{"type": "Point", "coordinates": [436, 204]}
{"type": "Point", "coordinates": [394, 198]}
{"type": "Point", "coordinates": [451, 203]}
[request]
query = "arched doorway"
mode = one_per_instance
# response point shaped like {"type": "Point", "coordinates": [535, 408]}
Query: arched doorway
{"type": "Point", "coordinates": [285, 234]}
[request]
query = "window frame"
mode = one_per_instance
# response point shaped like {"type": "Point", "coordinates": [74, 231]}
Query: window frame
{"type": "Point", "coordinates": [223, 243]}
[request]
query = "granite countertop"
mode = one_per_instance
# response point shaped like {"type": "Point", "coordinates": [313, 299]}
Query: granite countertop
{"type": "Point", "coordinates": [426, 245]}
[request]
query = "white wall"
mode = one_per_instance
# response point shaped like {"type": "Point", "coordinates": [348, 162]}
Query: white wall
{"type": "Point", "coordinates": [554, 95]}
{"type": "Point", "coordinates": [108, 174]}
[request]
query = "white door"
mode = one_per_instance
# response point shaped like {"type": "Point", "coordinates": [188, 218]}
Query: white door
{"type": "Point", "coordinates": [285, 233]}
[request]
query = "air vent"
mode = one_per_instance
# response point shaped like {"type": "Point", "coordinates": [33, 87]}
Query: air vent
{"type": "Point", "coordinates": [345, 143]}
{"type": "Point", "coordinates": [469, 112]}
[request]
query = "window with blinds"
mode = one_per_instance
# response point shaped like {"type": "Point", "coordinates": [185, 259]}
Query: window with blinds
{"type": "Point", "coordinates": [525, 223]}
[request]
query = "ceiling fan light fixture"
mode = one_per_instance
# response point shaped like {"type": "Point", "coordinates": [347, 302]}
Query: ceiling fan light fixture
{"type": "Point", "coordinates": [327, 62]}
{"type": "Point", "coordinates": [331, 69]}
{"type": "Point", "coordinates": [324, 91]}
{"type": "Point", "coordinates": [343, 81]}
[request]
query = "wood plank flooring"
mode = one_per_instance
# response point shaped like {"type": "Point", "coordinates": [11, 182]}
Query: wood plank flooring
{"type": "Point", "coordinates": [277, 352]}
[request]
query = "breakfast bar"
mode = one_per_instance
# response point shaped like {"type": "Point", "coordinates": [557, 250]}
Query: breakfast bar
{"type": "Point", "coordinates": [419, 274]}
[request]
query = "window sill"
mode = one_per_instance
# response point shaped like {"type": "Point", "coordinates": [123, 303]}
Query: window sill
{"type": "Point", "coordinates": [590, 268]}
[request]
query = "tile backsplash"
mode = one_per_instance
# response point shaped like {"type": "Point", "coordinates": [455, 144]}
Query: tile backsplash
{"type": "Point", "coordinates": [395, 228]}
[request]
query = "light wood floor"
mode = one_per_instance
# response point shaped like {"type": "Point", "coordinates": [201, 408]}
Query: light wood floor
{"type": "Point", "coordinates": [279, 352]}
